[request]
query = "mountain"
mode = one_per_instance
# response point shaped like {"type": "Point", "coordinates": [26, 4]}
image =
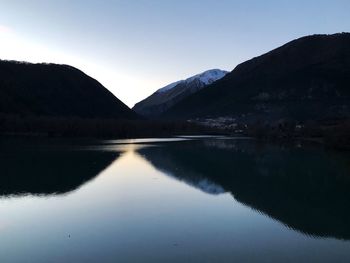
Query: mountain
{"type": "Point", "coordinates": [305, 79]}
{"type": "Point", "coordinates": [173, 93]}
{"type": "Point", "coordinates": [51, 90]}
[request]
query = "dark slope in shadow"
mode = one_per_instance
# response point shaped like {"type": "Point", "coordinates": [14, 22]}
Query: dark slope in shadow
{"type": "Point", "coordinates": [306, 189]}
{"type": "Point", "coordinates": [51, 90]}
{"type": "Point", "coordinates": [305, 79]}
{"type": "Point", "coordinates": [46, 169]}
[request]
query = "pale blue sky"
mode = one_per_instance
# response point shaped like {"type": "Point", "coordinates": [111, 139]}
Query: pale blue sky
{"type": "Point", "coordinates": [136, 47]}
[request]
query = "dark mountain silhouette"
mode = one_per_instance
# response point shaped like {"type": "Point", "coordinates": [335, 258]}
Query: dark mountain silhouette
{"type": "Point", "coordinates": [168, 96]}
{"type": "Point", "coordinates": [47, 168]}
{"type": "Point", "coordinates": [52, 90]}
{"type": "Point", "coordinates": [304, 188]}
{"type": "Point", "coordinates": [306, 79]}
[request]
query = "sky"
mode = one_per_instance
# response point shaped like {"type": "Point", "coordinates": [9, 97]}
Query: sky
{"type": "Point", "coordinates": [136, 47]}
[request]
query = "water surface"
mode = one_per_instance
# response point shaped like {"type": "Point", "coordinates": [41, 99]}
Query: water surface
{"type": "Point", "coordinates": [178, 200]}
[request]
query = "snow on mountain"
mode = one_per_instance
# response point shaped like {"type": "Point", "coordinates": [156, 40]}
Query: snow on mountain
{"type": "Point", "coordinates": [206, 77]}
{"type": "Point", "coordinates": [170, 86]}
{"type": "Point", "coordinates": [168, 96]}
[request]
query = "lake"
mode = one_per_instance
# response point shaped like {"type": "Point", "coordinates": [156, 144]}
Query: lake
{"type": "Point", "coordinates": [188, 199]}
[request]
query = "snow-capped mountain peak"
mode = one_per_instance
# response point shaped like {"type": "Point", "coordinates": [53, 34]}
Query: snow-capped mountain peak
{"type": "Point", "coordinates": [166, 97]}
{"type": "Point", "coordinates": [209, 76]}
{"type": "Point", "coordinates": [206, 77]}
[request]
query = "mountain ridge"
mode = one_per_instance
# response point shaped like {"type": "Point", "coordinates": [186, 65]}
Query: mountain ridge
{"type": "Point", "coordinates": [54, 90]}
{"type": "Point", "coordinates": [166, 97]}
{"type": "Point", "coordinates": [305, 75]}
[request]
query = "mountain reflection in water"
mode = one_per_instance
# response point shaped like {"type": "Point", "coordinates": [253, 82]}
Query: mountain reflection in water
{"type": "Point", "coordinates": [306, 188]}
{"type": "Point", "coordinates": [46, 169]}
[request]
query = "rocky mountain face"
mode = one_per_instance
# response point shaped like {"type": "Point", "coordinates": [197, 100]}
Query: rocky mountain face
{"type": "Point", "coordinates": [305, 79]}
{"type": "Point", "coordinates": [60, 91]}
{"type": "Point", "coordinates": [170, 95]}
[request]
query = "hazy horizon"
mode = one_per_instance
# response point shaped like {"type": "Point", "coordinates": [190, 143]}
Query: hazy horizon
{"type": "Point", "coordinates": [134, 48]}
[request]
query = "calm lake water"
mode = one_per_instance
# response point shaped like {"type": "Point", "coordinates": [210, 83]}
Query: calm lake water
{"type": "Point", "coordinates": [177, 200]}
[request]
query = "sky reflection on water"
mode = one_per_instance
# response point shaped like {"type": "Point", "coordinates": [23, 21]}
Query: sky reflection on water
{"type": "Point", "coordinates": [150, 204]}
